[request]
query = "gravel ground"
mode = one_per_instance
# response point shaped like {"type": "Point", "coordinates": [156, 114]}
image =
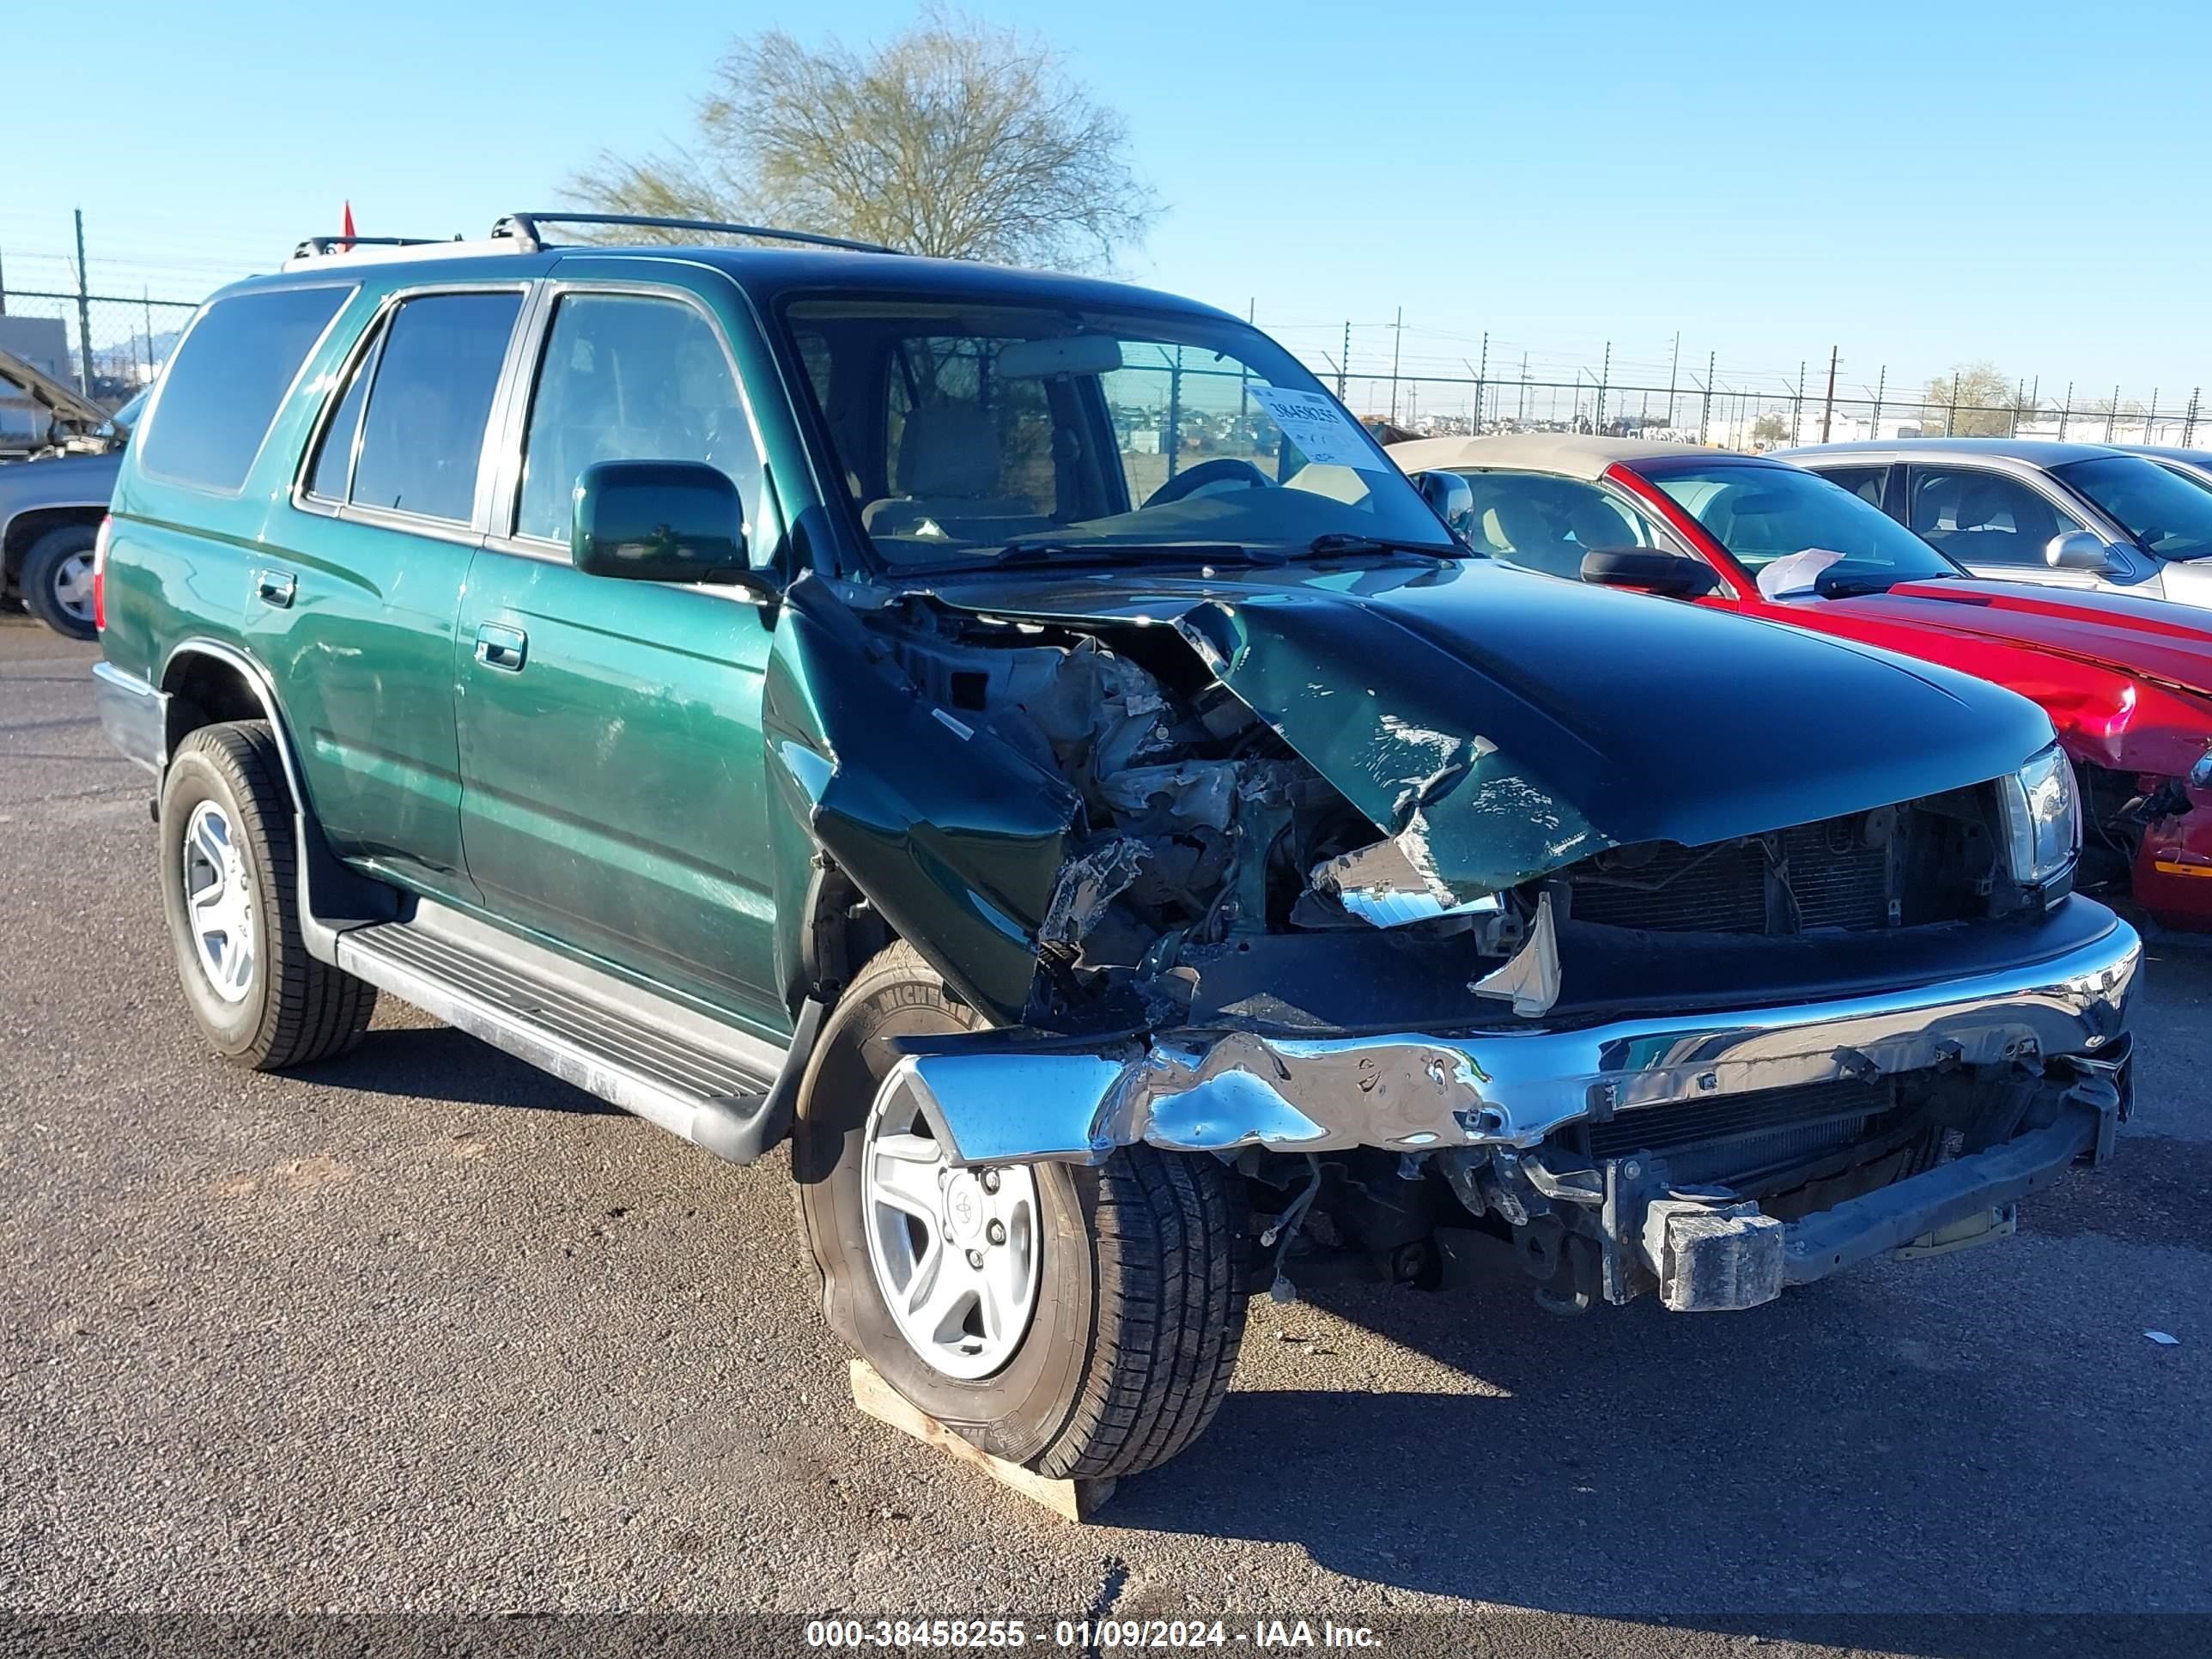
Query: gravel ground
{"type": "Point", "coordinates": [423, 1330]}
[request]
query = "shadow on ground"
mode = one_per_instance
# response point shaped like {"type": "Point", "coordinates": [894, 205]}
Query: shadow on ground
{"type": "Point", "coordinates": [439, 1063]}
{"type": "Point", "coordinates": [1846, 1449]}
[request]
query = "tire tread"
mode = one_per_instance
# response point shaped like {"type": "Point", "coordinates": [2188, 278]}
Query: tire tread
{"type": "Point", "coordinates": [313, 1012]}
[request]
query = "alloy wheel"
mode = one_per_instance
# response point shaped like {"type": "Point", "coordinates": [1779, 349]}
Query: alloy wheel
{"type": "Point", "coordinates": [954, 1251]}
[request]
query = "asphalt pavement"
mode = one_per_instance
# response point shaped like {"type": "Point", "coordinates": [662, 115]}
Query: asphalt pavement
{"type": "Point", "coordinates": [423, 1330]}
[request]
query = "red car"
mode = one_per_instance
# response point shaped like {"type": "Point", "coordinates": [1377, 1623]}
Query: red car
{"type": "Point", "coordinates": [2127, 683]}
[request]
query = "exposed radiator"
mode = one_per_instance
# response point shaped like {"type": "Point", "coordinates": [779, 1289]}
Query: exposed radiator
{"type": "Point", "coordinates": [1835, 879]}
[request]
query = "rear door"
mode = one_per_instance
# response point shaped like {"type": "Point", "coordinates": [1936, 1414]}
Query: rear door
{"type": "Point", "coordinates": [357, 590]}
{"type": "Point", "coordinates": [614, 794]}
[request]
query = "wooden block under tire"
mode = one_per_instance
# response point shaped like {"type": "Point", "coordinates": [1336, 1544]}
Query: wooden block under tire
{"type": "Point", "coordinates": [1073, 1500]}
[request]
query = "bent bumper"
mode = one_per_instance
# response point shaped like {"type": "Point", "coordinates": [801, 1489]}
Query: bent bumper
{"type": "Point", "coordinates": [1707, 1258]}
{"type": "Point", "coordinates": [1004, 1102]}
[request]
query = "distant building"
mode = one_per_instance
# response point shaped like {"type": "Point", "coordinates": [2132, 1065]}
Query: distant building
{"type": "Point", "coordinates": [43, 343]}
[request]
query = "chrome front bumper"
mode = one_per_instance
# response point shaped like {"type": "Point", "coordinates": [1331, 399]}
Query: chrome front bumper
{"type": "Point", "coordinates": [1012, 1103]}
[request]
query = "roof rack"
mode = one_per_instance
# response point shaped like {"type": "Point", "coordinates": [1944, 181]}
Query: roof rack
{"type": "Point", "coordinates": [521, 232]}
{"type": "Point", "coordinates": [524, 227]}
{"type": "Point", "coordinates": [342, 243]}
{"type": "Point", "coordinates": [373, 250]}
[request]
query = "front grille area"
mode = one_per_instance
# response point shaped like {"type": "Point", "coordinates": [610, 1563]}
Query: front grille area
{"type": "Point", "coordinates": [1735, 1136]}
{"type": "Point", "coordinates": [1836, 873]}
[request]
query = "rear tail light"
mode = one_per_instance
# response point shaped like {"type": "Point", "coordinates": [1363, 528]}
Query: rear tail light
{"type": "Point", "coordinates": [100, 571]}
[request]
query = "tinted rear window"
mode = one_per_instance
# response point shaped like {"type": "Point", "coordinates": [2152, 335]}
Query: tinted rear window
{"type": "Point", "coordinates": [423, 433]}
{"type": "Point", "coordinates": [227, 380]}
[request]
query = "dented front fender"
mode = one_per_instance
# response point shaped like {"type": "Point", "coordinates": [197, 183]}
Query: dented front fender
{"type": "Point", "coordinates": [954, 837]}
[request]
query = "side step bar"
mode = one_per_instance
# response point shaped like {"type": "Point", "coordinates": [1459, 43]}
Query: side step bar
{"type": "Point", "coordinates": [719, 1087]}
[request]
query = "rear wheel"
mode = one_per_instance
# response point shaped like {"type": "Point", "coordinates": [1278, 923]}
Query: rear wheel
{"type": "Point", "coordinates": [1080, 1321]}
{"type": "Point", "coordinates": [230, 888]}
{"type": "Point", "coordinates": [56, 580]}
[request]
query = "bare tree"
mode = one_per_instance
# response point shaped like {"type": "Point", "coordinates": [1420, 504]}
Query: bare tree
{"type": "Point", "coordinates": [1975, 400]}
{"type": "Point", "coordinates": [956, 139]}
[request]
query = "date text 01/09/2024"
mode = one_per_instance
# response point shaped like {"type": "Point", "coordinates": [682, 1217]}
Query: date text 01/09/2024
{"type": "Point", "coordinates": [1094, 1635]}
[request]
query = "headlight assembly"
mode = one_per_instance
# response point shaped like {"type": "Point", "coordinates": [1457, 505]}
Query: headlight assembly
{"type": "Point", "coordinates": [2042, 819]}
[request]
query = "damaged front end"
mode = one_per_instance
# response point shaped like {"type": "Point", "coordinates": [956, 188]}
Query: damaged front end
{"type": "Point", "coordinates": [1213, 899]}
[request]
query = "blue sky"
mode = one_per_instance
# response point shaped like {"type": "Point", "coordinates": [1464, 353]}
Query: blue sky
{"type": "Point", "coordinates": [1917, 185]}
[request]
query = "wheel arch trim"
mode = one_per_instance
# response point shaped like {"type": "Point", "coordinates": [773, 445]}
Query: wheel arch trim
{"type": "Point", "coordinates": [259, 682]}
{"type": "Point", "coordinates": [347, 898]}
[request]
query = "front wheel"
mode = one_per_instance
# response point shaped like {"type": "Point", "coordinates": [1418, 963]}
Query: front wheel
{"type": "Point", "coordinates": [1083, 1323]}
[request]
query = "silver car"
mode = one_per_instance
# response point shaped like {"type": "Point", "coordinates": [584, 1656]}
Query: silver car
{"type": "Point", "coordinates": [50, 513]}
{"type": "Point", "coordinates": [2017, 509]}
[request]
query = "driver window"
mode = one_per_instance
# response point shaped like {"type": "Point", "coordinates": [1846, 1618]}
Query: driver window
{"type": "Point", "coordinates": [1545, 523]}
{"type": "Point", "coordinates": [627, 377]}
{"type": "Point", "coordinates": [1979, 516]}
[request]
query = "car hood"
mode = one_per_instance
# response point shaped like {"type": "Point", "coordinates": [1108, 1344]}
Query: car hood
{"type": "Point", "coordinates": [1502, 724]}
{"type": "Point", "coordinates": [2152, 639]}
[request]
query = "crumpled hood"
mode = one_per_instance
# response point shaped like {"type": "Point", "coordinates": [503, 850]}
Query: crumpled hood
{"type": "Point", "coordinates": [2151, 638]}
{"type": "Point", "coordinates": [1504, 724]}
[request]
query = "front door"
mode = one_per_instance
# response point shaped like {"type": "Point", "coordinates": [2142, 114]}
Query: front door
{"type": "Point", "coordinates": [1996, 525]}
{"type": "Point", "coordinates": [614, 792]}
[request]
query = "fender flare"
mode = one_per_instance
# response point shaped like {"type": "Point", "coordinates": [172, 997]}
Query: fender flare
{"type": "Point", "coordinates": [332, 897]}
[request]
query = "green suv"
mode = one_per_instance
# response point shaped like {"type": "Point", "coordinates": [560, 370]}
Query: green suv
{"type": "Point", "coordinates": [1018, 739]}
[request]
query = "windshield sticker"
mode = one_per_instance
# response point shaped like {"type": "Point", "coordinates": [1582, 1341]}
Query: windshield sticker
{"type": "Point", "coordinates": [1324, 434]}
{"type": "Point", "coordinates": [1795, 575]}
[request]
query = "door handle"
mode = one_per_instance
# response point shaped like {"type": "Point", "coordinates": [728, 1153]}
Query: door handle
{"type": "Point", "coordinates": [275, 587]}
{"type": "Point", "coordinates": [502, 648]}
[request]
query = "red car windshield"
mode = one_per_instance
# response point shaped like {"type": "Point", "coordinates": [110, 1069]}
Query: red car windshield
{"type": "Point", "coordinates": [1761, 512]}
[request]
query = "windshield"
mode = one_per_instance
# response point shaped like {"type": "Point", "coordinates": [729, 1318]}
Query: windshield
{"type": "Point", "coordinates": [1763, 512]}
{"type": "Point", "coordinates": [966, 430]}
{"type": "Point", "coordinates": [2167, 515]}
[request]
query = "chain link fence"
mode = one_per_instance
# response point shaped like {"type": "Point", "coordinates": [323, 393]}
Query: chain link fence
{"type": "Point", "coordinates": [109, 346]}
{"type": "Point", "coordinates": [1438, 405]}
{"type": "Point", "coordinates": [105, 346]}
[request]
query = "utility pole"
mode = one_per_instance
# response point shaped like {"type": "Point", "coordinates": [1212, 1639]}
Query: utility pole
{"type": "Point", "coordinates": [1482, 375]}
{"type": "Point", "coordinates": [1705, 418]}
{"type": "Point", "coordinates": [1604, 374]}
{"type": "Point", "coordinates": [2113, 413]}
{"type": "Point", "coordinates": [1345, 358]}
{"type": "Point", "coordinates": [2150, 416]}
{"type": "Point", "coordinates": [1828, 414]}
{"type": "Point", "coordinates": [1880, 385]}
{"type": "Point", "coordinates": [83, 313]}
{"type": "Point", "coordinates": [2188, 425]}
{"type": "Point", "coordinates": [1397, 340]}
{"type": "Point", "coordinates": [1673, 375]}
{"type": "Point", "coordinates": [1951, 421]}
{"type": "Point", "coordinates": [1244, 374]}
{"type": "Point", "coordinates": [1797, 408]}
{"type": "Point", "coordinates": [2065, 410]}
{"type": "Point", "coordinates": [1522, 419]}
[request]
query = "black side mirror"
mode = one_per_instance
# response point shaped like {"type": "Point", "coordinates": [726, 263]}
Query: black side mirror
{"type": "Point", "coordinates": [1451, 498]}
{"type": "Point", "coordinates": [1669, 574]}
{"type": "Point", "coordinates": [661, 521]}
